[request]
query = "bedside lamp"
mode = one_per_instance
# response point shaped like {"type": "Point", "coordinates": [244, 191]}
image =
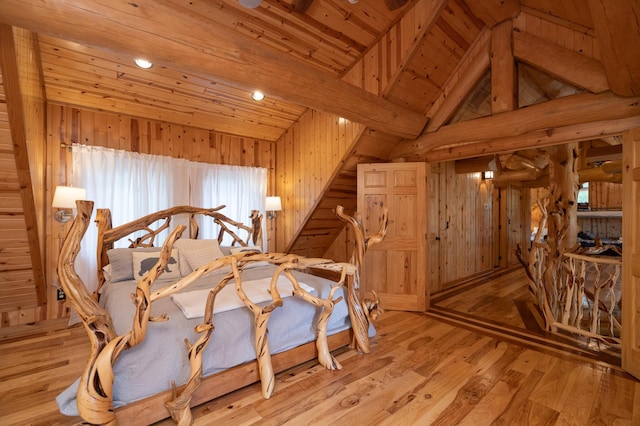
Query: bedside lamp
{"type": "Point", "coordinates": [65, 199]}
{"type": "Point", "coordinates": [272, 206]}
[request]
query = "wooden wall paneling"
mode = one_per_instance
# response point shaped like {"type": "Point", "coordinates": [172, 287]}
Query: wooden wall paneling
{"type": "Point", "coordinates": [605, 196]}
{"type": "Point", "coordinates": [434, 225]}
{"type": "Point", "coordinates": [578, 39]}
{"type": "Point", "coordinates": [31, 87]}
{"type": "Point", "coordinates": [618, 47]}
{"type": "Point", "coordinates": [307, 157]}
{"type": "Point", "coordinates": [631, 253]}
{"type": "Point", "coordinates": [68, 125]}
{"type": "Point", "coordinates": [62, 128]}
{"type": "Point", "coordinates": [22, 131]}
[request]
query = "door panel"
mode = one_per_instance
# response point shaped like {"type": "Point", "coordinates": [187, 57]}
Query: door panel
{"type": "Point", "coordinates": [631, 253]}
{"type": "Point", "coordinates": [396, 267]}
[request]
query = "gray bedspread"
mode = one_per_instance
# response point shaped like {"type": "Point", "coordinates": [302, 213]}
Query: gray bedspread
{"type": "Point", "coordinates": [161, 358]}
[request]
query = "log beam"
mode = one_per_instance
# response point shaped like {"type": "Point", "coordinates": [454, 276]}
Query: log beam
{"type": "Point", "coordinates": [156, 29]}
{"type": "Point", "coordinates": [473, 165]}
{"type": "Point", "coordinates": [618, 34]}
{"type": "Point", "coordinates": [461, 82]}
{"type": "Point", "coordinates": [504, 78]}
{"type": "Point", "coordinates": [564, 64]}
{"type": "Point", "coordinates": [603, 153]}
{"type": "Point", "coordinates": [540, 119]}
{"type": "Point", "coordinates": [494, 12]}
{"type": "Point", "coordinates": [17, 122]}
{"type": "Point", "coordinates": [535, 139]}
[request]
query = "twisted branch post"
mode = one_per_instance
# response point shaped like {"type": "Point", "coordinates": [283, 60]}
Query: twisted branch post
{"type": "Point", "coordinates": [359, 311]}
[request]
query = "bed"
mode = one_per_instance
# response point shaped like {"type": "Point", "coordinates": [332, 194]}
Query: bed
{"type": "Point", "coordinates": [197, 327]}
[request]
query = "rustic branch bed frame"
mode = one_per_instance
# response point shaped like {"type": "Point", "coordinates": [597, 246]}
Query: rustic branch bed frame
{"type": "Point", "coordinates": [95, 398]}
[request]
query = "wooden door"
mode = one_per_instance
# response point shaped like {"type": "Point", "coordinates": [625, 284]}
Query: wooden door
{"type": "Point", "coordinates": [631, 253]}
{"type": "Point", "coordinates": [396, 268]}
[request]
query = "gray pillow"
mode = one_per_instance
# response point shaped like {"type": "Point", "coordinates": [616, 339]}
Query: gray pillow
{"type": "Point", "coordinates": [121, 262]}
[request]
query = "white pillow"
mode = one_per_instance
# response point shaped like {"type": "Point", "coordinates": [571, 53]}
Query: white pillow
{"type": "Point", "coordinates": [144, 261]}
{"type": "Point", "coordinates": [199, 257]}
{"type": "Point", "coordinates": [186, 245]}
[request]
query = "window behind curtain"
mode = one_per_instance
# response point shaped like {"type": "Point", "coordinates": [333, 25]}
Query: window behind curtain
{"type": "Point", "coordinates": [132, 185]}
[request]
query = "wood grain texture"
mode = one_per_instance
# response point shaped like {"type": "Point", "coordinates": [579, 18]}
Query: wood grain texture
{"type": "Point", "coordinates": [19, 118]}
{"type": "Point", "coordinates": [421, 370]}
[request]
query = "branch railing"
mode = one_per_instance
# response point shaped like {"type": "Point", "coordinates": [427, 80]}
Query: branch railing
{"type": "Point", "coordinates": [583, 298]}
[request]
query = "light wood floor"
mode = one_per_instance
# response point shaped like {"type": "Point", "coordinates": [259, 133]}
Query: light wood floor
{"type": "Point", "coordinates": [423, 369]}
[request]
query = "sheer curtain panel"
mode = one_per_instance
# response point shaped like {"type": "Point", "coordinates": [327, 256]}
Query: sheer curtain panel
{"type": "Point", "coordinates": [132, 185]}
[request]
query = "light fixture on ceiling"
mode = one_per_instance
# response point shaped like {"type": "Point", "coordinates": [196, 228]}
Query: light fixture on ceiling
{"type": "Point", "coordinates": [352, 1]}
{"type": "Point", "coordinates": [271, 206]}
{"type": "Point", "coordinates": [257, 95]}
{"type": "Point", "coordinates": [250, 4]}
{"type": "Point", "coordinates": [143, 63]}
{"type": "Point", "coordinates": [65, 199]}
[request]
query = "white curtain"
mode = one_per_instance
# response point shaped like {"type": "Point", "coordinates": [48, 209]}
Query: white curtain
{"type": "Point", "coordinates": [240, 189]}
{"type": "Point", "coordinates": [133, 185]}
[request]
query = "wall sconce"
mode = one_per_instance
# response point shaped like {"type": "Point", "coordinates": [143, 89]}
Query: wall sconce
{"type": "Point", "coordinates": [272, 206]}
{"type": "Point", "coordinates": [65, 198]}
{"type": "Point", "coordinates": [487, 175]}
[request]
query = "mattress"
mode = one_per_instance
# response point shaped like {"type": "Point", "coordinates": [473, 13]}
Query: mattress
{"type": "Point", "coordinates": [161, 358]}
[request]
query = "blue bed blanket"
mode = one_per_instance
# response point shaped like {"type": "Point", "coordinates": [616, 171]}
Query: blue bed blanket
{"type": "Point", "coordinates": [161, 358]}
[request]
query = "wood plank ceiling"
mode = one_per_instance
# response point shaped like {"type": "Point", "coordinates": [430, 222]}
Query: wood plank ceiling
{"type": "Point", "coordinates": [211, 54]}
{"type": "Point", "coordinates": [330, 35]}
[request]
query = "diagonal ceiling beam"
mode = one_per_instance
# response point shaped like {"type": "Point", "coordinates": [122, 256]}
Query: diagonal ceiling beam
{"type": "Point", "coordinates": [469, 71]}
{"type": "Point", "coordinates": [494, 12]}
{"type": "Point", "coordinates": [565, 64]}
{"type": "Point", "coordinates": [617, 26]}
{"type": "Point", "coordinates": [174, 37]}
{"type": "Point", "coordinates": [17, 124]}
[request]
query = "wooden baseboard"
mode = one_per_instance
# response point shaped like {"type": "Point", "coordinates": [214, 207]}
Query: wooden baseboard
{"type": "Point", "coordinates": [153, 409]}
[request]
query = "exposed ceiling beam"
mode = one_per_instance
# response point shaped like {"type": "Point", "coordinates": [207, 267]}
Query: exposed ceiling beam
{"type": "Point", "coordinates": [542, 118]}
{"type": "Point", "coordinates": [469, 71]}
{"type": "Point", "coordinates": [565, 64]}
{"type": "Point", "coordinates": [603, 153]}
{"type": "Point", "coordinates": [534, 139]}
{"type": "Point", "coordinates": [504, 76]}
{"type": "Point", "coordinates": [494, 12]}
{"type": "Point", "coordinates": [170, 35]}
{"type": "Point", "coordinates": [617, 26]}
{"type": "Point", "coordinates": [17, 123]}
{"type": "Point", "coordinates": [473, 165]}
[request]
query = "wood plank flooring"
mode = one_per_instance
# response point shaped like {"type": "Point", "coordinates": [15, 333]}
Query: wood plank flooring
{"type": "Point", "coordinates": [501, 302]}
{"type": "Point", "coordinates": [423, 369]}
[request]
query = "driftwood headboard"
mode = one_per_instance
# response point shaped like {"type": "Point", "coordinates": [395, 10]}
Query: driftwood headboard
{"type": "Point", "coordinates": [241, 234]}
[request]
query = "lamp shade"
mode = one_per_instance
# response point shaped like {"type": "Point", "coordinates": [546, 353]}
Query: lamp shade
{"type": "Point", "coordinates": [273, 204]}
{"type": "Point", "coordinates": [65, 197]}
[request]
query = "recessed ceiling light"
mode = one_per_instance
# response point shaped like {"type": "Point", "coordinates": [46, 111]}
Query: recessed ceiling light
{"type": "Point", "coordinates": [257, 95]}
{"type": "Point", "coordinates": [250, 4]}
{"type": "Point", "coordinates": [143, 63]}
